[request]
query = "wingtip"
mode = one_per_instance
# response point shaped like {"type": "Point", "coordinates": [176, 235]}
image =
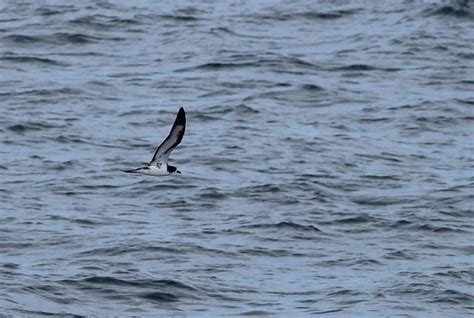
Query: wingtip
{"type": "Point", "coordinates": [181, 117]}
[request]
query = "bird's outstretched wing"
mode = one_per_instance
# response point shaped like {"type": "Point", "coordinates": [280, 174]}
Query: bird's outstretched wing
{"type": "Point", "coordinates": [174, 138]}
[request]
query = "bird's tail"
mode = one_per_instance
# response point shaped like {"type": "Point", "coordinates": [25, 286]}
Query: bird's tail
{"type": "Point", "coordinates": [131, 170]}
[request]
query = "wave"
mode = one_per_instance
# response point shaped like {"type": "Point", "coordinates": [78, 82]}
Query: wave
{"type": "Point", "coordinates": [355, 220]}
{"type": "Point", "coordinates": [363, 68]}
{"type": "Point", "coordinates": [275, 62]}
{"type": "Point", "coordinates": [457, 11]}
{"type": "Point", "coordinates": [156, 290]}
{"type": "Point", "coordinates": [213, 66]}
{"type": "Point", "coordinates": [400, 255]}
{"type": "Point", "coordinates": [259, 189]}
{"type": "Point", "coordinates": [306, 15]}
{"type": "Point", "coordinates": [32, 60]}
{"type": "Point", "coordinates": [312, 88]}
{"type": "Point", "coordinates": [270, 252]}
{"type": "Point", "coordinates": [120, 250]}
{"type": "Point", "coordinates": [168, 17]}
{"type": "Point", "coordinates": [160, 297]}
{"type": "Point", "coordinates": [31, 126]}
{"type": "Point", "coordinates": [45, 92]}
{"type": "Point", "coordinates": [382, 200]}
{"type": "Point", "coordinates": [21, 39]}
{"type": "Point", "coordinates": [147, 283]}
{"type": "Point", "coordinates": [240, 109]}
{"type": "Point", "coordinates": [285, 225]}
{"type": "Point", "coordinates": [59, 38]}
{"type": "Point", "coordinates": [55, 10]}
{"type": "Point", "coordinates": [439, 229]}
{"type": "Point", "coordinates": [213, 194]}
{"type": "Point", "coordinates": [99, 21]}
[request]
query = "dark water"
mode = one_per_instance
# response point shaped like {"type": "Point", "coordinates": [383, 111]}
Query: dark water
{"type": "Point", "coordinates": [327, 165]}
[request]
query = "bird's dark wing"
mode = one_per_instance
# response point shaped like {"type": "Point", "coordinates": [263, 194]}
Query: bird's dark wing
{"type": "Point", "coordinates": [174, 138]}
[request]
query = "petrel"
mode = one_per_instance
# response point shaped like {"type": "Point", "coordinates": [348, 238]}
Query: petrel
{"type": "Point", "coordinates": [158, 165]}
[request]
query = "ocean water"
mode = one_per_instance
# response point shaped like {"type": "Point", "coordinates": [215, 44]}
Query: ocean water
{"type": "Point", "coordinates": [327, 166]}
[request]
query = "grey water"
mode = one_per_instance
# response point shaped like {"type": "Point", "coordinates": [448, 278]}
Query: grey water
{"type": "Point", "coordinates": [327, 165]}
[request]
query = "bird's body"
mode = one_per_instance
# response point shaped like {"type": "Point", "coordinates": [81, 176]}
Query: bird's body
{"type": "Point", "coordinates": [152, 170]}
{"type": "Point", "coordinates": [158, 165]}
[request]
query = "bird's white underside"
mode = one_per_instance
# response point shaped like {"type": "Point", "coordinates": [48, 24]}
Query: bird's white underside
{"type": "Point", "coordinates": [154, 170]}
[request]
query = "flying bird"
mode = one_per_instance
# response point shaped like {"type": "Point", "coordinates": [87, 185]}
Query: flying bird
{"type": "Point", "coordinates": [158, 165]}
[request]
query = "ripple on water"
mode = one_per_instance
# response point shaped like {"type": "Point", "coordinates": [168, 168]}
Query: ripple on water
{"type": "Point", "coordinates": [324, 166]}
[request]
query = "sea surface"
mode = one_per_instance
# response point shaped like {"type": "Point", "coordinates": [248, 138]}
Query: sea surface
{"type": "Point", "coordinates": [327, 165]}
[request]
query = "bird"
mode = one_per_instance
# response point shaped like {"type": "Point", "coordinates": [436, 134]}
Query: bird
{"type": "Point", "coordinates": [158, 165]}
